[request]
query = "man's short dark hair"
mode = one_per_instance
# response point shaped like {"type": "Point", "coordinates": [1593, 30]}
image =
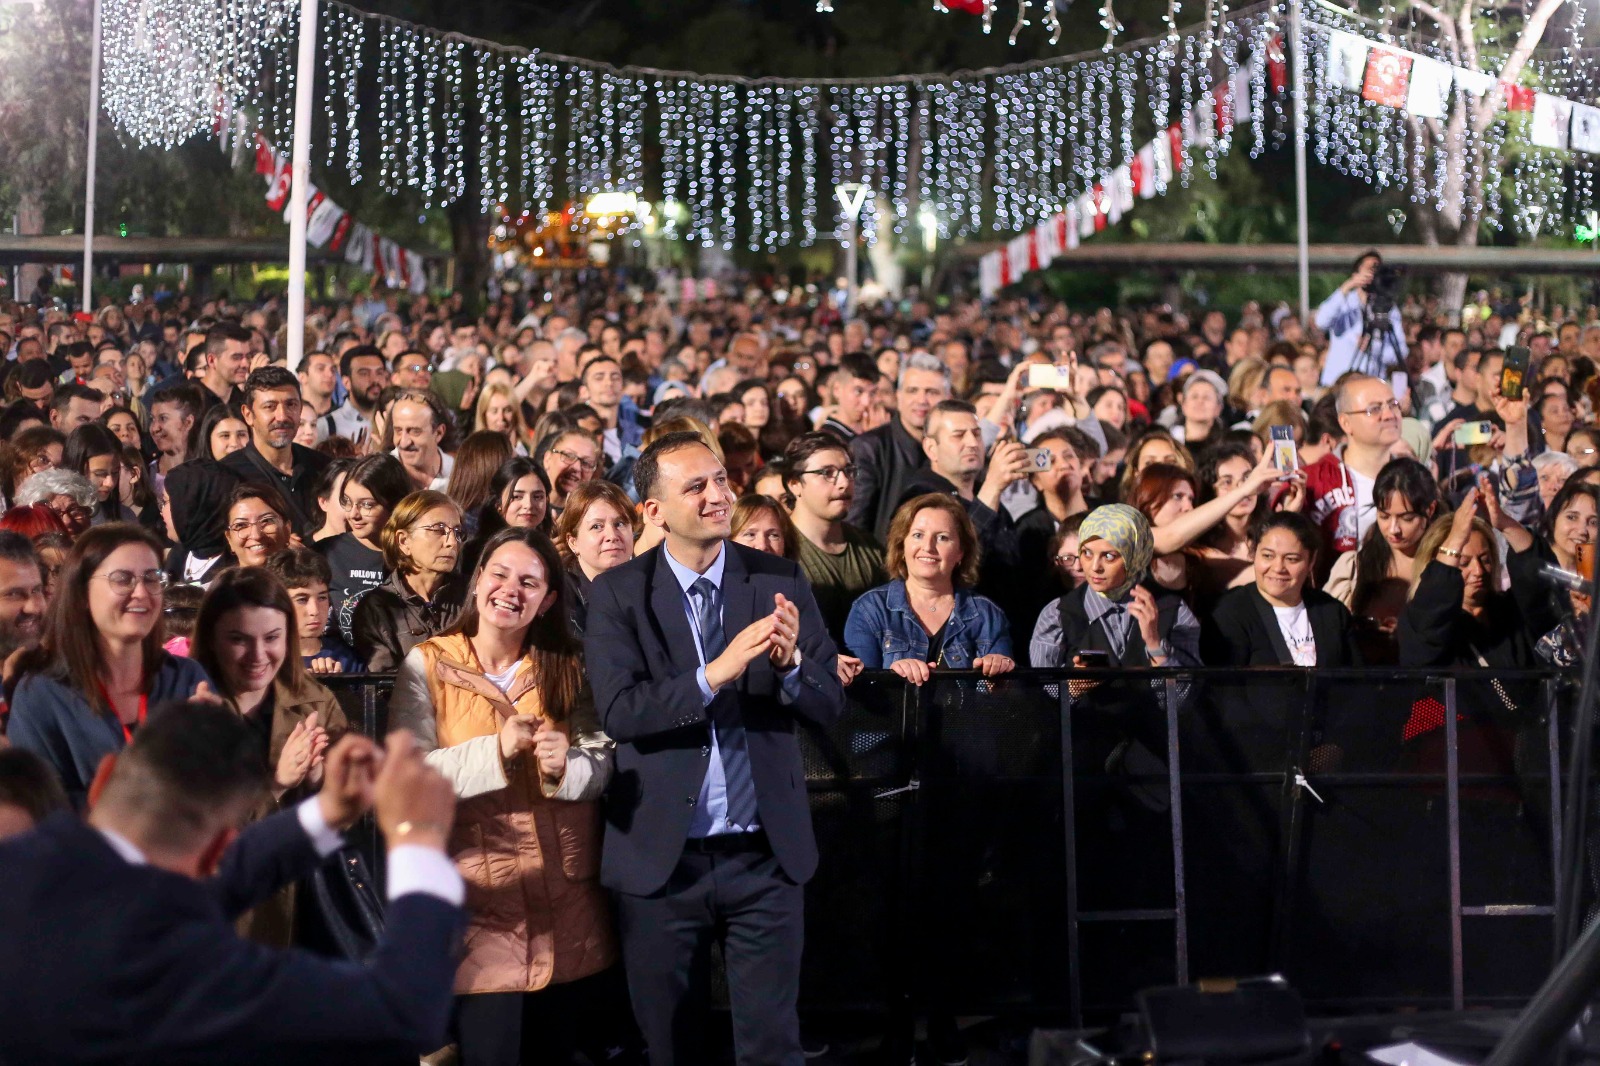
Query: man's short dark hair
{"type": "Point", "coordinates": [306, 362]}
{"type": "Point", "coordinates": [67, 393]}
{"type": "Point", "coordinates": [395, 362]}
{"type": "Point", "coordinates": [191, 764]}
{"type": "Point", "coordinates": [860, 366]}
{"type": "Point", "coordinates": [1465, 356]}
{"type": "Point", "coordinates": [218, 336]}
{"type": "Point", "coordinates": [681, 407]}
{"type": "Point", "coordinates": [360, 351]}
{"type": "Point", "coordinates": [1370, 253]}
{"type": "Point", "coordinates": [34, 374]}
{"type": "Point", "coordinates": [647, 470]}
{"type": "Point", "coordinates": [1429, 333]}
{"type": "Point", "coordinates": [27, 781]}
{"type": "Point", "coordinates": [298, 568]}
{"type": "Point", "coordinates": [802, 448]}
{"type": "Point", "coordinates": [267, 379]}
{"type": "Point", "coordinates": [196, 359]}
{"type": "Point", "coordinates": [17, 548]}
{"type": "Point", "coordinates": [597, 360]}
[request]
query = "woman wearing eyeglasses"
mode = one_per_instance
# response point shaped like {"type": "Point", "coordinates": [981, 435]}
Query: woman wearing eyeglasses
{"type": "Point", "coordinates": [370, 492]}
{"type": "Point", "coordinates": [88, 686]}
{"type": "Point", "coordinates": [257, 526]}
{"type": "Point", "coordinates": [422, 543]}
{"type": "Point", "coordinates": [569, 459]}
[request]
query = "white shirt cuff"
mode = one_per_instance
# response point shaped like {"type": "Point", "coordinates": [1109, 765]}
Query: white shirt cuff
{"type": "Point", "coordinates": [414, 868]}
{"type": "Point", "coordinates": [324, 837]}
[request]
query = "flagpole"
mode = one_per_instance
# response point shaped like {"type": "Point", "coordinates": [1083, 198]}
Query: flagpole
{"type": "Point", "coordinates": [299, 181]}
{"type": "Point", "coordinates": [1298, 92]}
{"type": "Point", "coordinates": [90, 151]}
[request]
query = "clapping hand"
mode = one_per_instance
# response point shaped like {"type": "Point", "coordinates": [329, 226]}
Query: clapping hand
{"type": "Point", "coordinates": [785, 620]}
{"type": "Point", "coordinates": [301, 757]}
{"type": "Point", "coordinates": [349, 777]}
{"type": "Point", "coordinates": [550, 749]}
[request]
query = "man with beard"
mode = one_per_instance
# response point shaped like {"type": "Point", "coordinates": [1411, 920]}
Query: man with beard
{"type": "Point", "coordinates": [22, 600]}
{"type": "Point", "coordinates": [954, 446]}
{"type": "Point", "coordinates": [365, 376]}
{"type": "Point", "coordinates": [272, 411]}
{"type": "Point", "coordinates": [839, 560]}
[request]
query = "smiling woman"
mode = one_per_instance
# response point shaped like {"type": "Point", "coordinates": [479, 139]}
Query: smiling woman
{"type": "Point", "coordinates": [422, 543]}
{"type": "Point", "coordinates": [245, 638]}
{"type": "Point", "coordinates": [87, 687]}
{"type": "Point", "coordinates": [500, 706]}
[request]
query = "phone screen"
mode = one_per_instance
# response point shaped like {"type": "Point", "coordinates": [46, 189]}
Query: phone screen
{"type": "Point", "coordinates": [1513, 372]}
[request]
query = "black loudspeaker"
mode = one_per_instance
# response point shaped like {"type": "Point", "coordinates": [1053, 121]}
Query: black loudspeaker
{"type": "Point", "coordinates": [1258, 1021]}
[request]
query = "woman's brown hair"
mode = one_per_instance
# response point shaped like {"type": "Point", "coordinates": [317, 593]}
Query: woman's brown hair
{"type": "Point", "coordinates": [1131, 462]}
{"type": "Point", "coordinates": [585, 496]}
{"type": "Point", "coordinates": [245, 586]}
{"type": "Point", "coordinates": [1155, 487]}
{"type": "Point", "coordinates": [966, 574]}
{"type": "Point", "coordinates": [753, 504]}
{"type": "Point", "coordinates": [23, 449]}
{"type": "Point", "coordinates": [407, 513]}
{"type": "Point", "coordinates": [71, 649]}
{"type": "Point", "coordinates": [478, 459]}
{"type": "Point", "coordinates": [556, 654]}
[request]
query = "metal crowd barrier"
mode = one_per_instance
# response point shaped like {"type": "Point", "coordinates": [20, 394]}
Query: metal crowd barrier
{"type": "Point", "coordinates": [1049, 842]}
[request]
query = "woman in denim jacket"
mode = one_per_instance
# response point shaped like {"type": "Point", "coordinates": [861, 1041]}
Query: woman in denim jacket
{"type": "Point", "coordinates": [928, 616]}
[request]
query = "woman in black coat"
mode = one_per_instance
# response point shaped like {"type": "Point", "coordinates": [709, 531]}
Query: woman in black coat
{"type": "Point", "coordinates": [1277, 620]}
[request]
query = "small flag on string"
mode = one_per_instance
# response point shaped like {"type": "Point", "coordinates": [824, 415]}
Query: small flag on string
{"type": "Point", "coordinates": [1388, 77]}
{"type": "Point", "coordinates": [1347, 60]}
{"type": "Point", "coordinates": [1551, 118]}
{"type": "Point", "coordinates": [1585, 136]}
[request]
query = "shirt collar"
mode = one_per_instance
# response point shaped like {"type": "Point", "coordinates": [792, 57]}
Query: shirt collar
{"type": "Point", "coordinates": [123, 846]}
{"type": "Point", "coordinates": [1096, 604]}
{"type": "Point", "coordinates": [687, 577]}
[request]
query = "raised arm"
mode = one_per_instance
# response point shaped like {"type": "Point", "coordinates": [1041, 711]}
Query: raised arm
{"type": "Point", "coordinates": [1183, 530]}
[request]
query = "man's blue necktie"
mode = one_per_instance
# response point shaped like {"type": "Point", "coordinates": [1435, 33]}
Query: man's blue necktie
{"type": "Point", "coordinates": [731, 742]}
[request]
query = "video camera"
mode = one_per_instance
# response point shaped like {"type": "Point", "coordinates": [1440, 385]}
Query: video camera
{"type": "Point", "coordinates": [1388, 285]}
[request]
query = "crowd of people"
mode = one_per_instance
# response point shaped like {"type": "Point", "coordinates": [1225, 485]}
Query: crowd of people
{"type": "Point", "coordinates": [951, 486]}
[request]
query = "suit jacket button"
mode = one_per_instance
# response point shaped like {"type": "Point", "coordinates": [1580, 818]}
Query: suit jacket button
{"type": "Point", "coordinates": [705, 751]}
{"type": "Point", "coordinates": [690, 801]}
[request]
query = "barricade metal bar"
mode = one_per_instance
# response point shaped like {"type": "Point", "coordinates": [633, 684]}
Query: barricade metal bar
{"type": "Point", "coordinates": [1149, 915]}
{"type": "Point", "coordinates": [1175, 794]}
{"type": "Point", "coordinates": [1453, 807]}
{"type": "Point", "coordinates": [908, 947]}
{"type": "Point", "coordinates": [1069, 821]}
{"type": "Point", "coordinates": [1293, 798]}
{"type": "Point", "coordinates": [1508, 910]}
{"type": "Point", "coordinates": [1553, 739]}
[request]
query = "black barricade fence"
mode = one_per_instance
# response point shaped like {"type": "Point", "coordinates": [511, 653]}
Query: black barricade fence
{"type": "Point", "coordinates": [1050, 842]}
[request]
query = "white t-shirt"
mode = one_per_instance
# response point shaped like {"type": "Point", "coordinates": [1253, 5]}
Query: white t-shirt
{"type": "Point", "coordinates": [1295, 625]}
{"type": "Point", "coordinates": [1366, 514]}
{"type": "Point", "coordinates": [503, 681]}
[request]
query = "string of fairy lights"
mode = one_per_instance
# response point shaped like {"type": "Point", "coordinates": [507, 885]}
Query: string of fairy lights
{"type": "Point", "coordinates": [754, 162]}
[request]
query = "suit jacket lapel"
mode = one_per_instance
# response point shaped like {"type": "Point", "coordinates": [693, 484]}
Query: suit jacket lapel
{"type": "Point", "coordinates": [666, 603]}
{"type": "Point", "coordinates": [1269, 619]}
{"type": "Point", "coordinates": [738, 594]}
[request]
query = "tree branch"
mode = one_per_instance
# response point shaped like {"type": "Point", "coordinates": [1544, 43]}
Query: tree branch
{"type": "Point", "coordinates": [1532, 31]}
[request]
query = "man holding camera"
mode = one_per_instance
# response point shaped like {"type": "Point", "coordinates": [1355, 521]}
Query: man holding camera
{"type": "Point", "coordinates": [1355, 342]}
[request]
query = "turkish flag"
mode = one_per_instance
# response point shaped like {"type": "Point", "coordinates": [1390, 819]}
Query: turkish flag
{"type": "Point", "coordinates": [1180, 157]}
{"type": "Point", "coordinates": [1388, 77]}
{"type": "Point", "coordinates": [1099, 208]}
{"type": "Point", "coordinates": [265, 163]}
{"type": "Point", "coordinates": [971, 7]}
{"type": "Point", "coordinates": [1518, 97]}
{"type": "Point", "coordinates": [278, 190]}
{"type": "Point", "coordinates": [341, 230]}
{"type": "Point", "coordinates": [1277, 67]}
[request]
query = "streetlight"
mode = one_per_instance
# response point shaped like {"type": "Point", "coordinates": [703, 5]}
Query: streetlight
{"type": "Point", "coordinates": [852, 196]}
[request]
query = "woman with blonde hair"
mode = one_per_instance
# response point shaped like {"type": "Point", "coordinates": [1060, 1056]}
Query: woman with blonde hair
{"type": "Point", "coordinates": [423, 595]}
{"type": "Point", "coordinates": [500, 706]}
{"type": "Point", "coordinates": [498, 410]}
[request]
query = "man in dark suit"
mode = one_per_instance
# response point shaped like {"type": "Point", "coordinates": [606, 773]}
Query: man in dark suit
{"type": "Point", "coordinates": [702, 654]}
{"type": "Point", "coordinates": [116, 935]}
